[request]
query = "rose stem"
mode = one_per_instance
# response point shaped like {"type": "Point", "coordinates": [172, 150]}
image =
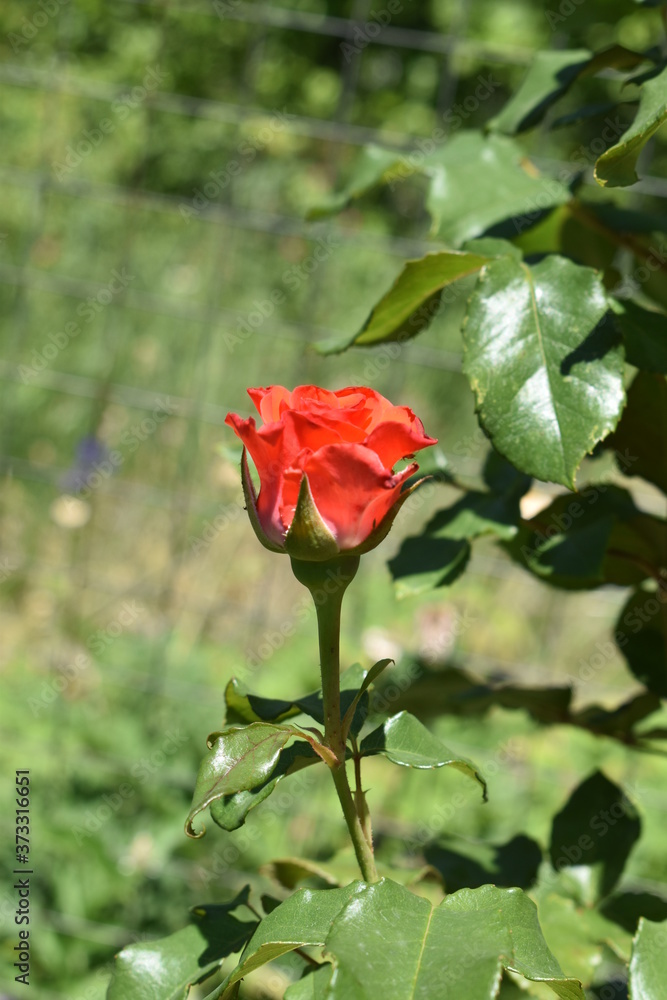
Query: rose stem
{"type": "Point", "coordinates": [328, 624]}
{"type": "Point", "coordinates": [328, 601]}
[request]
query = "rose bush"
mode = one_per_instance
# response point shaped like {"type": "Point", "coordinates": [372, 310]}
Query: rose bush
{"type": "Point", "coordinates": [325, 462]}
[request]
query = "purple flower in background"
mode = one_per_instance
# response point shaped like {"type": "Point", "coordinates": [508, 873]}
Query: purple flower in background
{"type": "Point", "coordinates": [90, 455]}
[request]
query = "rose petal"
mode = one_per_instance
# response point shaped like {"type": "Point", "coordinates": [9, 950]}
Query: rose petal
{"type": "Point", "coordinates": [392, 441]}
{"type": "Point", "coordinates": [270, 402]}
{"type": "Point", "coordinates": [266, 450]}
{"type": "Point", "coordinates": [352, 490]}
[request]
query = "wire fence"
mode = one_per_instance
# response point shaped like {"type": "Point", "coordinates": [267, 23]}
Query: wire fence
{"type": "Point", "coordinates": [228, 223]}
{"type": "Point", "coordinates": [180, 495]}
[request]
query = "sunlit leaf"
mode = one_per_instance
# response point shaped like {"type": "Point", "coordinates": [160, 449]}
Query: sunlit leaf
{"type": "Point", "coordinates": [168, 967]}
{"type": "Point", "coordinates": [404, 740]}
{"type": "Point", "coordinates": [617, 166]}
{"type": "Point", "coordinates": [546, 373]}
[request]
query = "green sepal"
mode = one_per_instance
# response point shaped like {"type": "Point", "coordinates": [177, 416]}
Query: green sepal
{"type": "Point", "coordinates": [308, 537]}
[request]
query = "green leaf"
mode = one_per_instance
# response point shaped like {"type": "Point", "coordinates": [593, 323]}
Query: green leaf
{"type": "Point", "coordinates": [549, 77]}
{"type": "Point", "coordinates": [404, 740]}
{"type": "Point", "coordinates": [546, 373]}
{"type": "Point", "coordinates": [427, 561]}
{"type": "Point", "coordinates": [478, 182]}
{"type": "Point", "coordinates": [371, 676]}
{"type": "Point", "coordinates": [453, 951]}
{"type": "Point", "coordinates": [303, 919]}
{"type": "Point", "coordinates": [238, 760]}
{"type": "Point", "coordinates": [641, 635]}
{"type": "Point", "coordinates": [578, 935]}
{"type": "Point", "coordinates": [168, 967]}
{"type": "Point", "coordinates": [581, 541]}
{"type": "Point", "coordinates": [594, 834]}
{"type": "Point", "coordinates": [314, 985]}
{"type": "Point", "coordinates": [242, 706]}
{"type": "Point", "coordinates": [343, 868]}
{"type": "Point", "coordinates": [648, 965]}
{"type": "Point", "coordinates": [644, 335]}
{"type": "Point", "coordinates": [372, 166]}
{"type": "Point", "coordinates": [478, 513]}
{"type": "Point", "coordinates": [466, 864]}
{"type": "Point", "coordinates": [230, 811]}
{"type": "Point", "coordinates": [439, 555]}
{"type": "Point", "coordinates": [616, 166]}
{"type": "Point", "coordinates": [640, 441]}
{"type": "Point", "coordinates": [411, 302]}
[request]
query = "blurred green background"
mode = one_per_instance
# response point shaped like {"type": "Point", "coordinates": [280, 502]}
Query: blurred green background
{"type": "Point", "coordinates": [157, 161]}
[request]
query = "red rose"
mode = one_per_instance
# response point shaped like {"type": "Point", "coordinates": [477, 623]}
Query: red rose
{"type": "Point", "coordinates": [325, 462]}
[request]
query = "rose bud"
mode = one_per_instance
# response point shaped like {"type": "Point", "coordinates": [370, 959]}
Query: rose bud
{"type": "Point", "coordinates": [325, 463]}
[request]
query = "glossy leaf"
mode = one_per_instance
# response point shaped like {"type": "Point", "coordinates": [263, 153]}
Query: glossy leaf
{"type": "Point", "coordinates": [353, 707]}
{"type": "Point", "coordinates": [454, 950]}
{"type": "Point", "coordinates": [242, 706]}
{"type": "Point", "coordinates": [303, 919]}
{"type": "Point", "coordinates": [595, 832]}
{"type": "Point", "coordinates": [640, 440]}
{"type": "Point", "coordinates": [644, 335]}
{"type": "Point", "coordinates": [412, 301]}
{"type": "Point", "coordinates": [478, 182]}
{"type": "Point", "coordinates": [546, 373]}
{"type": "Point", "coordinates": [168, 967]}
{"type": "Point", "coordinates": [641, 636]}
{"type": "Point", "coordinates": [230, 811]}
{"type": "Point", "coordinates": [238, 760]}
{"type": "Point", "coordinates": [648, 965]}
{"type": "Point", "coordinates": [404, 740]}
{"type": "Point", "coordinates": [617, 166]}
